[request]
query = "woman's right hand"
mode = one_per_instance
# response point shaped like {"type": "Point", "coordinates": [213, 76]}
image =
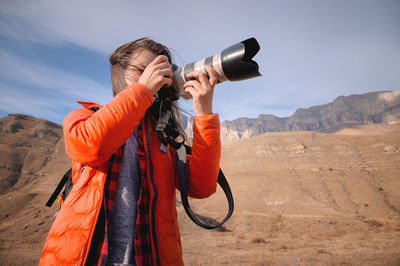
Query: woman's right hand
{"type": "Point", "coordinates": [157, 74]}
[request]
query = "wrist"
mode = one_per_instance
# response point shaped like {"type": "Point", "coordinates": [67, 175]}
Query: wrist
{"type": "Point", "coordinates": [201, 110]}
{"type": "Point", "coordinates": [148, 87]}
{"type": "Point", "coordinates": [203, 114]}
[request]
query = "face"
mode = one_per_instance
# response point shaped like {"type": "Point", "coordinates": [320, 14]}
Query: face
{"type": "Point", "coordinates": [138, 62]}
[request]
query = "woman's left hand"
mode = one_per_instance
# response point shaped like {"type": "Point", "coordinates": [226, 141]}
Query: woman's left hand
{"type": "Point", "coordinates": [202, 90]}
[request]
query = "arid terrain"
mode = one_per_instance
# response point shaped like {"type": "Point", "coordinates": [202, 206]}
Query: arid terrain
{"type": "Point", "coordinates": [301, 198]}
{"type": "Point", "coordinates": [305, 198]}
{"type": "Point", "coordinates": [33, 157]}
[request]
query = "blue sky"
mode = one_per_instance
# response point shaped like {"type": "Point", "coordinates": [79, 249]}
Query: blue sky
{"type": "Point", "coordinates": [53, 53]}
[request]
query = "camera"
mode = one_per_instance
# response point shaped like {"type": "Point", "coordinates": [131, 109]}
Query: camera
{"type": "Point", "coordinates": [233, 63]}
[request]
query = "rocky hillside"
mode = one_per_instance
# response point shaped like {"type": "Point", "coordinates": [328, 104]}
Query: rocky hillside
{"type": "Point", "coordinates": [32, 161]}
{"type": "Point", "coordinates": [301, 198]}
{"type": "Point", "coordinates": [344, 111]}
{"type": "Point", "coordinates": [27, 144]}
{"type": "Point", "coordinates": [305, 198]}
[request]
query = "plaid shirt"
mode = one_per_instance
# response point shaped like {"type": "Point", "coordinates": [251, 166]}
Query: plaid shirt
{"type": "Point", "coordinates": [142, 242]}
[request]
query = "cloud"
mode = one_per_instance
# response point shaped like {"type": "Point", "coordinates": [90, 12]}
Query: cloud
{"type": "Point", "coordinates": [41, 90]}
{"type": "Point", "coordinates": [19, 100]}
{"type": "Point", "coordinates": [50, 79]}
{"type": "Point", "coordinates": [96, 25]}
{"type": "Point", "coordinates": [310, 52]}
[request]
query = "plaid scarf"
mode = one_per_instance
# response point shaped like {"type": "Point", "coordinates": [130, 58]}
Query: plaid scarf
{"type": "Point", "coordinates": [142, 242]}
{"type": "Point", "coordinates": [142, 233]}
{"type": "Point", "coordinates": [99, 245]}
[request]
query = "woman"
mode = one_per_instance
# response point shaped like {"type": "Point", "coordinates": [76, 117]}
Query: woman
{"type": "Point", "coordinates": [121, 210]}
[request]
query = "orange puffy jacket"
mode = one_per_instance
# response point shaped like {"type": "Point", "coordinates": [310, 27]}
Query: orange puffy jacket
{"type": "Point", "coordinates": [91, 139]}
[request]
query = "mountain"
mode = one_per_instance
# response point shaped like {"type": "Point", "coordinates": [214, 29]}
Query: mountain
{"type": "Point", "coordinates": [32, 161]}
{"type": "Point", "coordinates": [301, 198]}
{"type": "Point", "coordinates": [27, 145]}
{"type": "Point", "coordinates": [344, 111]}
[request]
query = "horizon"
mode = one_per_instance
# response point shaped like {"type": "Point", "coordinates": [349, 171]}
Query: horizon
{"type": "Point", "coordinates": [312, 52]}
{"type": "Point", "coordinates": [242, 117]}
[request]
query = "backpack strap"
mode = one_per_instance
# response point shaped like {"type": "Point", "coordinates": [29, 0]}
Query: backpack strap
{"type": "Point", "coordinates": [67, 176]}
{"type": "Point", "coordinates": [181, 167]}
{"type": "Point", "coordinates": [59, 187]}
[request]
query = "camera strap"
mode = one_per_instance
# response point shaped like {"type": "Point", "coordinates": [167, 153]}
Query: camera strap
{"type": "Point", "coordinates": [183, 184]}
{"type": "Point", "coordinates": [166, 128]}
{"type": "Point", "coordinates": [167, 131]}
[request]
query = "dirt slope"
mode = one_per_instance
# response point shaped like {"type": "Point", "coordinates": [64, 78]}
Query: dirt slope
{"type": "Point", "coordinates": [305, 198]}
{"type": "Point", "coordinates": [302, 198]}
{"type": "Point", "coordinates": [32, 159]}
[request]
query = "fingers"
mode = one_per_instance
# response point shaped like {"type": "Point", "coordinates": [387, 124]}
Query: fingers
{"type": "Point", "coordinates": [166, 72]}
{"type": "Point", "coordinates": [199, 82]}
{"type": "Point", "coordinates": [213, 75]}
{"type": "Point", "coordinates": [199, 78]}
{"type": "Point", "coordinates": [160, 59]}
{"type": "Point", "coordinates": [192, 91]}
{"type": "Point", "coordinates": [211, 72]}
{"type": "Point", "coordinates": [157, 74]}
{"type": "Point", "coordinates": [192, 83]}
{"type": "Point", "coordinates": [163, 76]}
{"type": "Point", "coordinates": [204, 80]}
{"type": "Point", "coordinates": [159, 66]}
{"type": "Point", "coordinates": [201, 91]}
{"type": "Point", "coordinates": [167, 81]}
{"type": "Point", "coordinates": [163, 67]}
{"type": "Point", "coordinates": [160, 63]}
{"type": "Point", "coordinates": [201, 88]}
{"type": "Point", "coordinates": [193, 74]}
{"type": "Point", "coordinates": [193, 87]}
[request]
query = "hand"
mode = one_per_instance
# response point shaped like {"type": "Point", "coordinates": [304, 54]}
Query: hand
{"type": "Point", "coordinates": [157, 74]}
{"type": "Point", "coordinates": [202, 90]}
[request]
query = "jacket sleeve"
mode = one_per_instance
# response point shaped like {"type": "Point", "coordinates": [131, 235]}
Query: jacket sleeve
{"type": "Point", "coordinates": [203, 164]}
{"type": "Point", "coordinates": [91, 138]}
